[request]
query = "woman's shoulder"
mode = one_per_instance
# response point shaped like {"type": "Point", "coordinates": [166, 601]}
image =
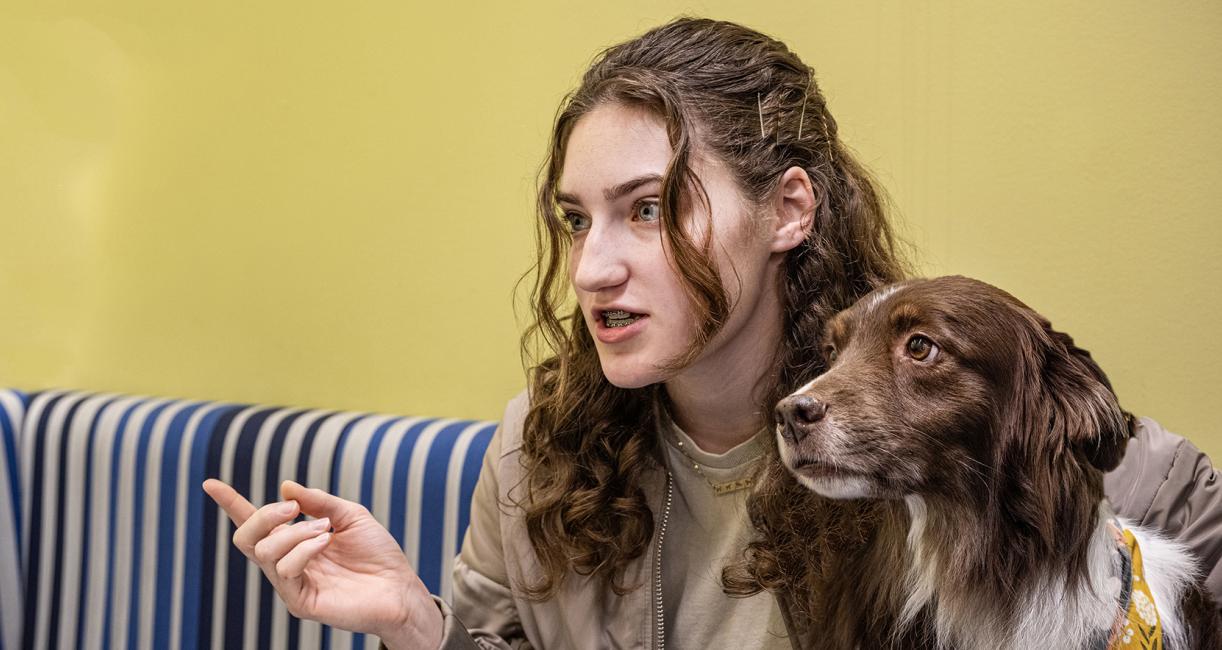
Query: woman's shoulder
{"type": "Point", "coordinates": [512, 423]}
{"type": "Point", "coordinates": [1165, 482]}
{"type": "Point", "coordinates": [1157, 463]}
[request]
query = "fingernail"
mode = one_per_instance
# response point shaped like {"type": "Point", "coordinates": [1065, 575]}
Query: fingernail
{"type": "Point", "coordinates": [322, 524]}
{"type": "Point", "coordinates": [288, 507]}
{"type": "Point", "coordinates": [323, 538]}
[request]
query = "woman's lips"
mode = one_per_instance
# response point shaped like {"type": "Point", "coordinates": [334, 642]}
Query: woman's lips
{"type": "Point", "coordinates": [617, 334]}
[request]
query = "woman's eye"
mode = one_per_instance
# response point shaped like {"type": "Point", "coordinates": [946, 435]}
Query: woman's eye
{"type": "Point", "coordinates": [577, 221]}
{"type": "Point", "coordinates": [921, 348]}
{"type": "Point", "coordinates": [648, 211]}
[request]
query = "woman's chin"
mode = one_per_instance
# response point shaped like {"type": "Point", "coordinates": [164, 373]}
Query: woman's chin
{"type": "Point", "coordinates": [631, 377]}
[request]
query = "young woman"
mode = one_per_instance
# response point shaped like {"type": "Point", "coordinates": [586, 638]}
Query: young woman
{"type": "Point", "coordinates": [701, 207]}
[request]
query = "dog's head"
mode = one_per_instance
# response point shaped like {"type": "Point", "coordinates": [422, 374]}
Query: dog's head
{"type": "Point", "coordinates": [945, 385]}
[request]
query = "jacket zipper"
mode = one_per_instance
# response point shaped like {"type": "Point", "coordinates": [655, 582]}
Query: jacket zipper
{"type": "Point", "coordinates": [657, 566]}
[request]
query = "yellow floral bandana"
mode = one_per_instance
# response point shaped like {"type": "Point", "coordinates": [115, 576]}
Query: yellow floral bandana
{"type": "Point", "coordinates": [1138, 626]}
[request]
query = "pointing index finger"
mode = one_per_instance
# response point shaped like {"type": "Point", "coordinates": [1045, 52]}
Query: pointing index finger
{"type": "Point", "coordinates": [234, 504]}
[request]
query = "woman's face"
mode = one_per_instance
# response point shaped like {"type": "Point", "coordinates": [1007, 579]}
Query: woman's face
{"type": "Point", "coordinates": [630, 296]}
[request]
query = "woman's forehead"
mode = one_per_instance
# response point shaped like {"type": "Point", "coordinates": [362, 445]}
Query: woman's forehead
{"type": "Point", "coordinates": [610, 147]}
{"type": "Point", "coordinates": [615, 147]}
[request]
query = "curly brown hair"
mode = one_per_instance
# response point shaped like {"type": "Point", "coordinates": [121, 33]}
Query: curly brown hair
{"type": "Point", "coordinates": [731, 92]}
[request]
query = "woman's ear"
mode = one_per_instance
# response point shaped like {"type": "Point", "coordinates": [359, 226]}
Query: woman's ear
{"type": "Point", "coordinates": [794, 203]}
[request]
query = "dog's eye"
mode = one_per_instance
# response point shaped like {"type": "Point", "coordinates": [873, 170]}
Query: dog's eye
{"type": "Point", "coordinates": [830, 353]}
{"type": "Point", "coordinates": [921, 348]}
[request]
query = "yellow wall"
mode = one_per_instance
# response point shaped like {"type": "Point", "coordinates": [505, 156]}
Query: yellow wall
{"type": "Point", "coordinates": [327, 204]}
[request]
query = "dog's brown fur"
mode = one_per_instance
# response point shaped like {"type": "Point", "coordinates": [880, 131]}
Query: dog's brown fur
{"type": "Point", "coordinates": [1004, 433]}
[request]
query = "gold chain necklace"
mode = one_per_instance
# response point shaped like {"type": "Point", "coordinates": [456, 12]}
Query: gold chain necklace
{"type": "Point", "coordinates": [718, 488]}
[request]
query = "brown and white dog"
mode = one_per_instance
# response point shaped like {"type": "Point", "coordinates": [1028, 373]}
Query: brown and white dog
{"type": "Point", "coordinates": [985, 434]}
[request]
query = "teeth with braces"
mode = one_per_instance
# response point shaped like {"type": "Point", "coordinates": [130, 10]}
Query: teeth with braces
{"type": "Point", "coordinates": [619, 318]}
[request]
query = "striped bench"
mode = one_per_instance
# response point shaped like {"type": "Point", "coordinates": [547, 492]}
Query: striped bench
{"type": "Point", "coordinates": [114, 545]}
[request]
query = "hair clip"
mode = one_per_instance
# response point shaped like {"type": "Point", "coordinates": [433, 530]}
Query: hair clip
{"type": "Point", "coordinates": [760, 105]}
{"type": "Point", "coordinates": [806, 95]}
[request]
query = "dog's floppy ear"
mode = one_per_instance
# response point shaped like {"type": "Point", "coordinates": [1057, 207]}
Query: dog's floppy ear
{"type": "Point", "coordinates": [1082, 406]}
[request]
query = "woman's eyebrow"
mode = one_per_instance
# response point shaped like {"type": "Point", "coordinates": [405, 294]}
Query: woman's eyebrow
{"type": "Point", "coordinates": [614, 192]}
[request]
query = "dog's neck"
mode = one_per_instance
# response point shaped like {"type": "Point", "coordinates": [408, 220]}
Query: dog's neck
{"type": "Point", "coordinates": [983, 584]}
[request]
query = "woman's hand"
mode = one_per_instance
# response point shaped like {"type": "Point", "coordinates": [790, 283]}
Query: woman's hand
{"type": "Point", "coordinates": [354, 578]}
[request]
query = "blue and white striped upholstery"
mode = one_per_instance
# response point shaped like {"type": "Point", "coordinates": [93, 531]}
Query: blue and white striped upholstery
{"type": "Point", "coordinates": [121, 548]}
{"type": "Point", "coordinates": [12, 408]}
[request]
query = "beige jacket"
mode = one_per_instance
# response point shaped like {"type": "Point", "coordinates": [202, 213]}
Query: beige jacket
{"type": "Point", "coordinates": [1164, 481]}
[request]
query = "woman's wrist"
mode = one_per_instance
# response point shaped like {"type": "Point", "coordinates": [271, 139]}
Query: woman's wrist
{"type": "Point", "coordinates": [422, 626]}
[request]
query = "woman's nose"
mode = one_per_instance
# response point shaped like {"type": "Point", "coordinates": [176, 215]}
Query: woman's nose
{"type": "Point", "coordinates": [601, 261]}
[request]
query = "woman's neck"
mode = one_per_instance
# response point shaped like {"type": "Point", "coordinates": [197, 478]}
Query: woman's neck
{"type": "Point", "coordinates": [717, 419]}
{"type": "Point", "coordinates": [717, 401]}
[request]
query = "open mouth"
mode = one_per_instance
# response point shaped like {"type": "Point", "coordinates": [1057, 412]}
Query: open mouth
{"type": "Point", "coordinates": [619, 318]}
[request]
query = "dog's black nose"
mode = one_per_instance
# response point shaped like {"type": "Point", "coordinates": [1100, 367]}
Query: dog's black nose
{"type": "Point", "coordinates": [797, 414]}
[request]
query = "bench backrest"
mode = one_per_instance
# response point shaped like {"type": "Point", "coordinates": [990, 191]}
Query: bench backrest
{"type": "Point", "coordinates": [118, 546]}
